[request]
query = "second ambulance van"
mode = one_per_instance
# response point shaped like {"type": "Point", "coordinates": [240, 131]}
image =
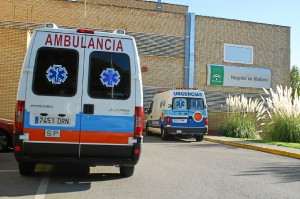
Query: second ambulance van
{"type": "Point", "coordinates": [181, 113]}
{"type": "Point", "coordinates": [79, 100]}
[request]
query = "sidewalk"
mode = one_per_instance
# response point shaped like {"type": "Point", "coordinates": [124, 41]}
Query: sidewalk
{"type": "Point", "coordinates": [279, 150]}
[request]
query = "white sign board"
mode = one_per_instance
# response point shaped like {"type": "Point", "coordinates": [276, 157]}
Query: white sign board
{"type": "Point", "coordinates": [237, 76]}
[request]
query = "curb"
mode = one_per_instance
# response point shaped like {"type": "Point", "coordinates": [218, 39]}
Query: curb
{"type": "Point", "coordinates": [257, 148]}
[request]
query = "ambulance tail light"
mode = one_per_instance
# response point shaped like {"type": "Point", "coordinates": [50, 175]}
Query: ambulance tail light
{"type": "Point", "coordinates": [139, 121]}
{"type": "Point", "coordinates": [206, 122]}
{"type": "Point", "coordinates": [86, 31]}
{"type": "Point", "coordinates": [168, 120]}
{"type": "Point", "coordinates": [19, 116]}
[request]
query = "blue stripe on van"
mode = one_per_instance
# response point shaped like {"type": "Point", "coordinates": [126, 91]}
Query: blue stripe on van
{"type": "Point", "coordinates": [92, 123]}
{"type": "Point", "coordinates": [108, 123]}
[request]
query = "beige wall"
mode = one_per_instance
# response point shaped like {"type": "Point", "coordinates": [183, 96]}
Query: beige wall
{"type": "Point", "coordinates": [271, 49]}
{"type": "Point", "coordinates": [163, 72]}
{"type": "Point", "coordinates": [271, 43]}
{"type": "Point", "coordinates": [12, 53]}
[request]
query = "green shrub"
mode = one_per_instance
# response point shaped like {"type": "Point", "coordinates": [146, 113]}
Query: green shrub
{"type": "Point", "coordinates": [284, 129]}
{"type": "Point", "coordinates": [241, 126]}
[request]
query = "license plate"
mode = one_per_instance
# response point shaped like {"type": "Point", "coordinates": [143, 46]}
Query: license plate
{"type": "Point", "coordinates": [179, 120]}
{"type": "Point", "coordinates": [52, 133]}
{"type": "Point", "coordinates": [63, 121]}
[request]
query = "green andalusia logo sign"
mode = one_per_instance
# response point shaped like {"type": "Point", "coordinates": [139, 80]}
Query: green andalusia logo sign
{"type": "Point", "coordinates": [216, 75]}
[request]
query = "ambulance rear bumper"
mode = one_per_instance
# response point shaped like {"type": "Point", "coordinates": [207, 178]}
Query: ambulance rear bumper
{"type": "Point", "coordinates": [88, 154]}
{"type": "Point", "coordinates": [186, 131]}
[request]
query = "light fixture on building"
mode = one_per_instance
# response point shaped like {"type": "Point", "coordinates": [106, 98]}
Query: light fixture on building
{"type": "Point", "coordinates": [72, 0]}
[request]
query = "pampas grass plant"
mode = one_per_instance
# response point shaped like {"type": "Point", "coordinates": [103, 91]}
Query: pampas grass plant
{"type": "Point", "coordinates": [284, 112]}
{"type": "Point", "coordinates": [280, 108]}
{"type": "Point", "coordinates": [244, 115]}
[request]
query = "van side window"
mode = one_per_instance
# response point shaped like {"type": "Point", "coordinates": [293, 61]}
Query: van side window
{"type": "Point", "coordinates": [56, 72]}
{"type": "Point", "coordinates": [109, 75]}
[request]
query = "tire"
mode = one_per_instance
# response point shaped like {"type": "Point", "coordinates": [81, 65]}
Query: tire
{"type": "Point", "coordinates": [5, 141]}
{"type": "Point", "coordinates": [163, 134]}
{"type": "Point", "coordinates": [26, 169]}
{"type": "Point", "coordinates": [84, 170]}
{"type": "Point", "coordinates": [148, 133]}
{"type": "Point", "coordinates": [126, 171]}
{"type": "Point", "coordinates": [199, 138]}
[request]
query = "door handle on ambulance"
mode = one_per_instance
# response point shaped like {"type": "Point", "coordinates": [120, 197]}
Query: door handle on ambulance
{"type": "Point", "coordinates": [88, 109]}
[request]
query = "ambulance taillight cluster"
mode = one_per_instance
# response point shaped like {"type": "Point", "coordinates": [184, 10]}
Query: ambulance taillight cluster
{"type": "Point", "coordinates": [139, 120]}
{"type": "Point", "coordinates": [19, 117]}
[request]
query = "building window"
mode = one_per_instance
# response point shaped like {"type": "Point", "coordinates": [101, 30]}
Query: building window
{"type": "Point", "coordinates": [238, 54]}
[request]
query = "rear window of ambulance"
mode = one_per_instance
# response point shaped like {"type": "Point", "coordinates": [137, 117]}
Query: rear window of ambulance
{"type": "Point", "coordinates": [180, 103]}
{"type": "Point", "coordinates": [55, 72]}
{"type": "Point", "coordinates": [109, 75]}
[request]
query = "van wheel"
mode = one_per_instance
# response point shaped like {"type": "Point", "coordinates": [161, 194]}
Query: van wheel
{"type": "Point", "coordinates": [148, 133]}
{"type": "Point", "coordinates": [163, 133]}
{"type": "Point", "coordinates": [84, 170]}
{"type": "Point", "coordinates": [26, 169]}
{"type": "Point", "coordinates": [199, 138]}
{"type": "Point", "coordinates": [126, 171]}
{"type": "Point", "coordinates": [5, 141]}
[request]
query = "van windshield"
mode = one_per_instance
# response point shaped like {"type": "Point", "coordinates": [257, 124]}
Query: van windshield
{"type": "Point", "coordinates": [180, 103]}
{"type": "Point", "coordinates": [56, 72]}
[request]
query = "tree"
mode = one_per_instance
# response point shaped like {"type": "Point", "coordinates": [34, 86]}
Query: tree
{"type": "Point", "coordinates": [295, 80]}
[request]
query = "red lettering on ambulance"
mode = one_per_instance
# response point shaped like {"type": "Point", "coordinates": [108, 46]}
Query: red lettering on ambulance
{"type": "Point", "coordinates": [91, 43]}
{"type": "Point", "coordinates": [58, 40]}
{"type": "Point", "coordinates": [120, 46]}
{"type": "Point", "coordinates": [75, 41]}
{"type": "Point", "coordinates": [67, 41]}
{"type": "Point", "coordinates": [99, 43]}
{"type": "Point", "coordinates": [108, 44]}
{"type": "Point", "coordinates": [48, 40]}
{"type": "Point", "coordinates": [82, 43]}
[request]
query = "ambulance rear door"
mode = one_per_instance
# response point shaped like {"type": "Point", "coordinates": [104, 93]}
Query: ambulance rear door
{"type": "Point", "coordinates": [109, 98]}
{"type": "Point", "coordinates": [53, 95]}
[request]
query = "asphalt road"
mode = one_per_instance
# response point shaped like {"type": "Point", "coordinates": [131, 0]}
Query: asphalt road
{"type": "Point", "coordinates": [167, 169]}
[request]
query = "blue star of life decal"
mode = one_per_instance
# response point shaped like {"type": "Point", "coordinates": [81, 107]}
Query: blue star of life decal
{"type": "Point", "coordinates": [57, 74]}
{"type": "Point", "coordinates": [180, 103]}
{"type": "Point", "coordinates": [110, 77]}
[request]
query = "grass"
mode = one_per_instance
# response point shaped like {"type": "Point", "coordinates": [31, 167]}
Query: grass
{"type": "Point", "coordinates": [285, 144]}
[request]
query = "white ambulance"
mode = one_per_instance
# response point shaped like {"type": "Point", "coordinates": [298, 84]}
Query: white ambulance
{"type": "Point", "coordinates": [79, 100]}
{"type": "Point", "coordinates": [181, 113]}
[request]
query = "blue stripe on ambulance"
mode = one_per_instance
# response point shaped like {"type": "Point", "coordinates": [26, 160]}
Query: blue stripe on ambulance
{"type": "Point", "coordinates": [92, 123]}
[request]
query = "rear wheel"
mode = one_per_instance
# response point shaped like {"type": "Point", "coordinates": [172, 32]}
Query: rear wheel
{"type": "Point", "coordinates": [84, 170]}
{"type": "Point", "coordinates": [199, 138]}
{"type": "Point", "coordinates": [163, 133]}
{"type": "Point", "coordinates": [148, 133]}
{"type": "Point", "coordinates": [26, 169]}
{"type": "Point", "coordinates": [126, 171]}
{"type": "Point", "coordinates": [5, 141]}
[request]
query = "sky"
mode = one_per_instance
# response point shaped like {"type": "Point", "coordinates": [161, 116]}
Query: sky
{"type": "Point", "coordinates": [277, 12]}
